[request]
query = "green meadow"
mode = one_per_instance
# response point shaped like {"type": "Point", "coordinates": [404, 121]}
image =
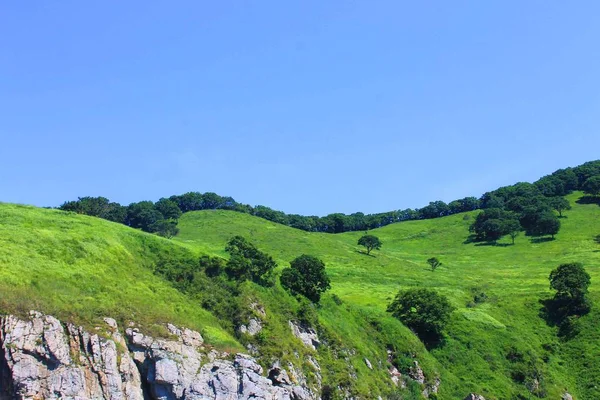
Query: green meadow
{"type": "Point", "coordinates": [82, 268]}
{"type": "Point", "coordinates": [513, 277]}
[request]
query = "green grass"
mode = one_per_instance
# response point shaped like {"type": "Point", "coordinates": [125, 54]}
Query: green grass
{"type": "Point", "coordinates": [513, 277]}
{"type": "Point", "coordinates": [81, 269]}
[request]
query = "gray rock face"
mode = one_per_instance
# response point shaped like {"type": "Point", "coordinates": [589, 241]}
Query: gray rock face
{"type": "Point", "coordinates": [307, 335]}
{"type": "Point", "coordinates": [41, 359]}
{"type": "Point", "coordinates": [253, 328]}
{"type": "Point", "coordinates": [473, 396]}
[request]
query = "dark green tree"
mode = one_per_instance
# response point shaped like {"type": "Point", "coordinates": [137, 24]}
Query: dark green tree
{"type": "Point", "coordinates": [570, 280]}
{"type": "Point", "coordinates": [168, 208]}
{"type": "Point", "coordinates": [165, 227]}
{"type": "Point", "coordinates": [212, 266]}
{"type": "Point", "coordinates": [370, 242]}
{"type": "Point", "coordinates": [434, 263]}
{"type": "Point", "coordinates": [306, 276]}
{"type": "Point", "coordinates": [560, 204]}
{"type": "Point", "coordinates": [546, 223]}
{"type": "Point", "coordinates": [597, 239]}
{"type": "Point", "coordinates": [592, 186]}
{"type": "Point", "coordinates": [143, 215]}
{"type": "Point", "coordinates": [422, 310]}
{"type": "Point", "coordinates": [190, 201]}
{"type": "Point", "coordinates": [247, 262]}
{"type": "Point", "coordinates": [97, 207]}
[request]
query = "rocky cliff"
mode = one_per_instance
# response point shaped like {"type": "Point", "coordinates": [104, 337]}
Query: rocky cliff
{"type": "Point", "coordinates": [40, 358]}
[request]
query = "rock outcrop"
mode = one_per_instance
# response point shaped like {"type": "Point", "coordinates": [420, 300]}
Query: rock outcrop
{"type": "Point", "coordinates": [473, 396]}
{"type": "Point", "coordinates": [42, 359]}
{"type": "Point", "coordinates": [306, 334]}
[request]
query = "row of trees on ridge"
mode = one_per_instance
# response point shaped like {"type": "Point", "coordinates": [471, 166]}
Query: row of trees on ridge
{"type": "Point", "coordinates": [161, 216]}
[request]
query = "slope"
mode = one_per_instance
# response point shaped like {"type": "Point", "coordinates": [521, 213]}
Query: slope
{"type": "Point", "coordinates": [81, 269]}
{"type": "Point", "coordinates": [483, 337]}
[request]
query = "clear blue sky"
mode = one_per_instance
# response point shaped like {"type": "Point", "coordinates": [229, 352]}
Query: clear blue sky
{"type": "Point", "coordinates": [308, 107]}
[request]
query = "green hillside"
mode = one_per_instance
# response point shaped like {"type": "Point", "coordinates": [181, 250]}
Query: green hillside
{"type": "Point", "coordinates": [82, 268]}
{"type": "Point", "coordinates": [514, 278]}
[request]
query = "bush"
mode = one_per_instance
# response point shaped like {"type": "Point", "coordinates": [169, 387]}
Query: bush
{"type": "Point", "coordinates": [422, 310]}
{"type": "Point", "coordinates": [247, 262]}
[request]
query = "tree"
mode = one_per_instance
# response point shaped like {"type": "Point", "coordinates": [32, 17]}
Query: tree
{"type": "Point", "coordinates": [434, 263]}
{"type": "Point", "coordinates": [493, 223]}
{"type": "Point", "coordinates": [546, 223]}
{"type": "Point", "coordinates": [560, 204]}
{"type": "Point", "coordinates": [512, 227]}
{"type": "Point", "coordinates": [597, 239]}
{"type": "Point", "coordinates": [165, 228]}
{"type": "Point", "coordinates": [306, 276]}
{"type": "Point", "coordinates": [422, 310]}
{"type": "Point", "coordinates": [97, 207]}
{"type": "Point", "coordinates": [168, 208]}
{"type": "Point", "coordinates": [570, 281]}
{"type": "Point", "coordinates": [592, 186]}
{"type": "Point", "coordinates": [247, 262]}
{"type": "Point", "coordinates": [370, 242]}
{"type": "Point", "coordinates": [143, 215]}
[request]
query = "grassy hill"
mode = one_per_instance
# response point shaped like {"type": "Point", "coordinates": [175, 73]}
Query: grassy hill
{"type": "Point", "coordinates": [514, 279]}
{"type": "Point", "coordinates": [82, 268]}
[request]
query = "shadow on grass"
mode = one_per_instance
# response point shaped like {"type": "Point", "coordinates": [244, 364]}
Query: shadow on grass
{"type": "Point", "coordinates": [542, 239]}
{"type": "Point", "coordinates": [494, 244]}
{"type": "Point", "coordinates": [364, 253]}
{"type": "Point", "coordinates": [470, 239]}
{"type": "Point", "coordinates": [589, 200]}
{"type": "Point", "coordinates": [563, 312]}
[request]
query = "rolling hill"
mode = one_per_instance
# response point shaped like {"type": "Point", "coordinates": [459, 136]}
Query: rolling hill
{"type": "Point", "coordinates": [82, 268]}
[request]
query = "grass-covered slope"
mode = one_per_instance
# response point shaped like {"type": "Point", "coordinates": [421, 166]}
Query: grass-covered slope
{"type": "Point", "coordinates": [81, 269]}
{"type": "Point", "coordinates": [481, 337]}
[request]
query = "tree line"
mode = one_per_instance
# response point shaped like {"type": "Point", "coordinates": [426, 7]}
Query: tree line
{"type": "Point", "coordinates": [161, 217]}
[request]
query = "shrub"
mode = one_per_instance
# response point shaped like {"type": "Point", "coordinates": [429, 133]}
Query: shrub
{"type": "Point", "coordinates": [422, 310]}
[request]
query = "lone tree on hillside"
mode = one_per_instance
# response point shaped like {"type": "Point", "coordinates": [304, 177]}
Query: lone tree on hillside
{"type": "Point", "coordinates": [592, 186]}
{"type": "Point", "coordinates": [370, 242]}
{"type": "Point", "coordinates": [560, 204]}
{"type": "Point", "coordinates": [306, 276]}
{"type": "Point", "coordinates": [570, 281]}
{"type": "Point", "coordinates": [422, 310]}
{"type": "Point", "coordinates": [434, 263]}
{"type": "Point", "coordinates": [247, 262]}
{"type": "Point", "coordinates": [597, 239]}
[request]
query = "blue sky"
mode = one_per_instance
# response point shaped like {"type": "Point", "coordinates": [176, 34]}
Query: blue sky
{"type": "Point", "coordinates": [308, 107]}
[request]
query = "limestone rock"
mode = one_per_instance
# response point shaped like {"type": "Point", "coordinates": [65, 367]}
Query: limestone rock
{"type": "Point", "coordinates": [177, 369]}
{"type": "Point", "coordinates": [39, 358]}
{"type": "Point", "coordinates": [306, 334]}
{"type": "Point", "coordinates": [416, 373]}
{"type": "Point", "coordinates": [254, 327]}
{"type": "Point", "coordinates": [42, 359]}
{"type": "Point", "coordinates": [473, 396]}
